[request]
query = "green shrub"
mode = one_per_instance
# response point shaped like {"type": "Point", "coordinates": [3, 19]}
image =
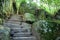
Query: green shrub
{"type": "Point", "coordinates": [48, 30]}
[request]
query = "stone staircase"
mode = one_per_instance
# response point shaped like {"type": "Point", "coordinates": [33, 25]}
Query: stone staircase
{"type": "Point", "coordinates": [19, 30]}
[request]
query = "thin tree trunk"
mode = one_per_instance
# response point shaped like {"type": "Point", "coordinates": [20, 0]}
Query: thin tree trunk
{"type": "Point", "coordinates": [17, 12]}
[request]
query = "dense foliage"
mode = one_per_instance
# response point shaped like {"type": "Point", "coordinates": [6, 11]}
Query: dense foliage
{"type": "Point", "coordinates": [35, 10]}
{"type": "Point", "coordinates": [7, 7]}
{"type": "Point", "coordinates": [51, 6]}
{"type": "Point", "coordinates": [48, 30]}
{"type": "Point", "coordinates": [1, 14]}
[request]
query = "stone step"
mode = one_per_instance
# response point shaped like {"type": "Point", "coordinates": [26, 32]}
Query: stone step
{"type": "Point", "coordinates": [22, 34]}
{"type": "Point", "coordinates": [15, 22]}
{"type": "Point", "coordinates": [23, 30]}
{"type": "Point", "coordinates": [11, 25]}
{"type": "Point", "coordinates": [20, 27]}
{"type": "Point", "coordinates": [24, 38]}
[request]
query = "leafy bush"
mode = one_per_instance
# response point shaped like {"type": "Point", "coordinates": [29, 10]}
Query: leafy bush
{"type": "Point", "coordinates": [48, 30]}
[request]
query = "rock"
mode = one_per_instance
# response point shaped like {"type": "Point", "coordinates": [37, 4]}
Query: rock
{"type": "Point", "coordinates": [4, 33]}
{"type": "Point", "coordinates": [29, 17]}
{"type": "Point", "coordinates": [58, 17]}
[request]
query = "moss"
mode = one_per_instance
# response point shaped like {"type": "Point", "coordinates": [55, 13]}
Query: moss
{"type": "Point", "coordinates": [4, 33]}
